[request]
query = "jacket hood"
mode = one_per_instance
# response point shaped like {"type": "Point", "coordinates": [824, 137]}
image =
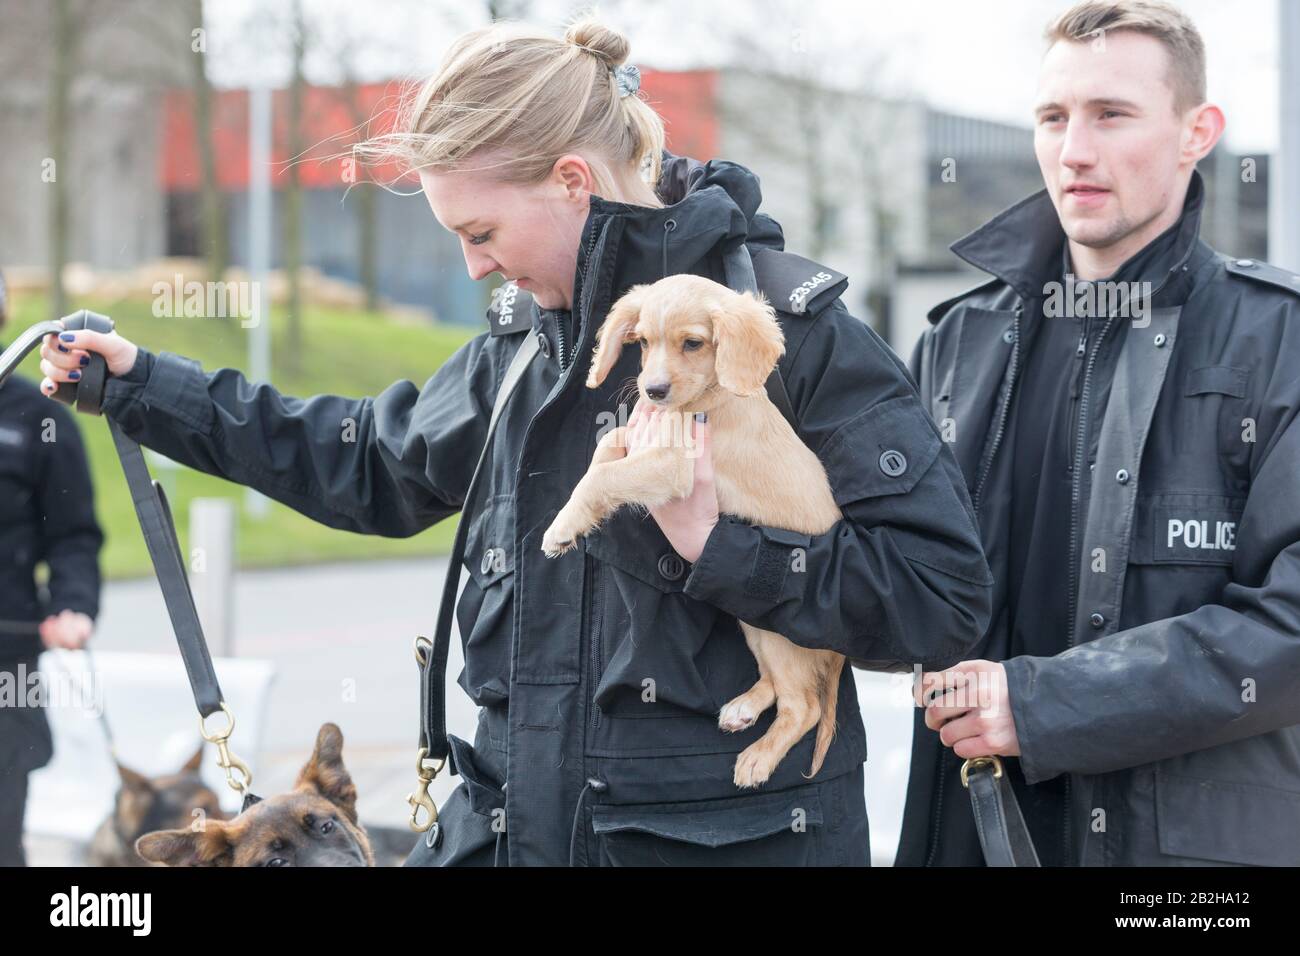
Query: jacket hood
{"type": "Point", "coordinates": [682, 175]}
{"type": "Point", "coordinates": [708, 208]}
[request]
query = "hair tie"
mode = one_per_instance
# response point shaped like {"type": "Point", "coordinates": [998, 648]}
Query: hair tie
{"type": "Point", "coordinates": [628, 78]}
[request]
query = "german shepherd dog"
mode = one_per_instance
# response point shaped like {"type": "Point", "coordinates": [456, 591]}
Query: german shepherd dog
{"type": "Point", "coordinates": [144, 804]}
{"type": "Point", "coordinates": [315, 824]}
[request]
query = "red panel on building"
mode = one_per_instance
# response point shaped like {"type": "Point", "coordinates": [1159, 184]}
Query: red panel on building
{"type": "Point", "coordinates": [332, 123]}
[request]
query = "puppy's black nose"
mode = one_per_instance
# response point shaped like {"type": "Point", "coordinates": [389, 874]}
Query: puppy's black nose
{"type": "Point", "coordinates": [657, 392]}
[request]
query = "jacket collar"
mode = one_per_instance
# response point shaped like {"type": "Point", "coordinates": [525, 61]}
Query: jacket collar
{"type": "Point", "coordinates": [1022, 244]}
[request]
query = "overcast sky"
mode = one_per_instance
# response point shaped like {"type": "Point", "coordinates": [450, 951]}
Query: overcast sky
{"type": "Point", "coordinates": [976, 57]}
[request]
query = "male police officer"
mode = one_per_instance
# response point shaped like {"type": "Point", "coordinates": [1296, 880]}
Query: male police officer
{"type": "Point", "coordinates": [1122, 400]}
{"type": "Point", "coordinates": [46, 514]}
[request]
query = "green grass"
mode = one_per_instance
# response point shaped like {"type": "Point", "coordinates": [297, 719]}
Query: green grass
{"type": "Point", "coordinates": [346, 352]}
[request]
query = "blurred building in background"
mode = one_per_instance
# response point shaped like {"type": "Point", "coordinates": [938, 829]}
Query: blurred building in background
{"type": "Point", "coordinates": [873, 186]}
{"type": "Point", "coordinates": [115, 72]}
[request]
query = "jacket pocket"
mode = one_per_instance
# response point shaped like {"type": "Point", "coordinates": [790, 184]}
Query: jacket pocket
{"type": "Point", "coordinates": [1221, 395]}
{"type": "Point", "coordinates": [785, 828]}
{"type": "Point", "coordinates": [485, 611]}
{"type": "Point", "coordinates": [885, 450]}
{"type": "Point", "coordinates": [657, 652]}
{"type": "Point", "coordinates": [1227, 821]}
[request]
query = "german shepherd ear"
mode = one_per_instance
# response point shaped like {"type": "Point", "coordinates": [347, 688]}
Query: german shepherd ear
{"type": "Point", "coordinates": [195, 762]}
{"type": "Point", "coordinates": [618, 325]}
{"type": "Point", "coordinates": [325, 772]}
{"type": "Point", "coordinates": [133, 780]}
{"type": "Point", "coordinates": [207, 847]}
{"type": "Point", "coordinates": [747, 340]}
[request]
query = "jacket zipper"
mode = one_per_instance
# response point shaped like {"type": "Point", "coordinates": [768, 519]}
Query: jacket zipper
{"type": "Point", "coordinates": [594, 624]}
{"type": "Point", "coordinates": [975, 505]}
{"type": "Point", "coordinates": [1005, 410]}
{"type": "Point", "coordinates": [562, 343]}
{"type": "Point", "coordinates": [1076, 491]}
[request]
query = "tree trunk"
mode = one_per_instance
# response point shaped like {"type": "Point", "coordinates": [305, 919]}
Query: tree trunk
{"type": "Point", "coordinates": [293, 196]}
{"type": "Point", "coordinates": [63, 65]}
{"type": "Point", "coordinates": [214, 214]}
{"type": "Point", "coordinates": [367, 225]}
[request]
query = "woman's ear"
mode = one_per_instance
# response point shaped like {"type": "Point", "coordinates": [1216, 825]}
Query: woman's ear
{"type": "Point", "coordinates": [747, 342]}
{"type": "Point", "coordinates": [619, 323]}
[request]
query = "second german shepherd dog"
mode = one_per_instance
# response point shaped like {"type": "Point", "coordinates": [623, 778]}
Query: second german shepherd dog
{"type": "Point", "coordinates": [315, 824]}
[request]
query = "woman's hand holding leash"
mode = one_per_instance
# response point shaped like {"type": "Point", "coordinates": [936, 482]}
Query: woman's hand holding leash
{"type": "Point", "coordinates": [62, 358]}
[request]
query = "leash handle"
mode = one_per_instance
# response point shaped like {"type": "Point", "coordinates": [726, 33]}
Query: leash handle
{"type": "Point", "coordinates": [87, 393]}
{"type": "Point", "coordinates": [1004, 837]}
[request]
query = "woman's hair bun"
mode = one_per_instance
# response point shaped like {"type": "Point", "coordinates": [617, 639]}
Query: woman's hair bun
{"type": "Point", "coordinates": [599, 40]}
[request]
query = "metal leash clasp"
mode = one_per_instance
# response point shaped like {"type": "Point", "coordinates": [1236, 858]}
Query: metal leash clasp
{"type": "Point", "coordinates": [974, 763]}
{"type": "Point", "coordinates": [420, 799]}
{"type": "Point", "coordinates": [225, 759]}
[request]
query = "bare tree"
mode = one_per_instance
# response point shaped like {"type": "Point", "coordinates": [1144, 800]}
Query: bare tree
{"type": "Point", "coordinates": [65, 37]}
{"type": "Point", "coordinates": [214, 214]}
{"type": "Point", "coordinates": [293, 188]}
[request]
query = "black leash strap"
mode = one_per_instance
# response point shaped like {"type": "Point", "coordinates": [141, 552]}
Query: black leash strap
{"type": "Point", "coordinates": [160, 535]}
{"type": "Point", "coordinates": [432, 656]}
{"type": "Point", "coordinates": [87, 395]}
{"type": "Point", "coordinates": [1004, 838]}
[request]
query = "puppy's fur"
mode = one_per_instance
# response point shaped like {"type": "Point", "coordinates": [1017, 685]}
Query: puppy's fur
{"type": "Point", "coordinates": [705, 348]}
{"type": "Point", "coordinates": [313, 825]}
{"type": "Point", "coordinates": [144, 804]}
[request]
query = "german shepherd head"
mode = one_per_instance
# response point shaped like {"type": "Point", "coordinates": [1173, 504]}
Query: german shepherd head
{"type": "Point", "coordinates": [144, 804]}
{"type": "Point", "coordinates": [315, 824]}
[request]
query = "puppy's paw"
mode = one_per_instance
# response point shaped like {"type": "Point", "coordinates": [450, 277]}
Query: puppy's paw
{"type": "Point", "coordinates": [737, 716]}
{"type": "Point", "coordinates": [553, 546]}
{"type": "Point", "coordinates": [753, 767]}
{"type": "Point", "coordinates": [563, 534]}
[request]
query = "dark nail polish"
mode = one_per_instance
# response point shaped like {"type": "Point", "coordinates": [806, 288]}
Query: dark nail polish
{"type": "Point", "coordinates": [85, 360]}
{"type": "Point", "coordinates": [64, 348]}
{"type": "Point", "coordinates": [68, 336]}
{"type": "Point", "coordinates": [74, 374]}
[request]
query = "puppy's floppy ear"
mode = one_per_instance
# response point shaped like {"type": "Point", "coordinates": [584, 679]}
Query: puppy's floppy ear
{"type": "Point", "coordinates": [747, 340]}
{"type": "Point", "coordinates": [618, 324]}
{"type": "Point", "coordinates": [325, 772]}
{"type": "Point", "coordinates": [207, 847]}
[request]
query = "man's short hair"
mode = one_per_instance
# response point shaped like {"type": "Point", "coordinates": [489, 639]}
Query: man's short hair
{"type": "Point", "coordinates": [1085, 21]}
